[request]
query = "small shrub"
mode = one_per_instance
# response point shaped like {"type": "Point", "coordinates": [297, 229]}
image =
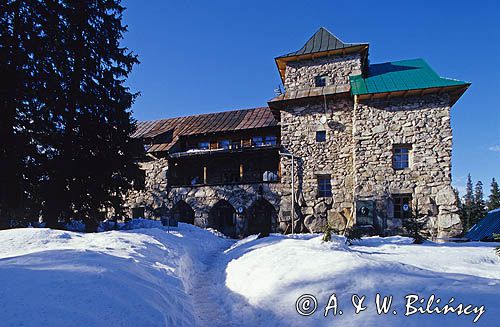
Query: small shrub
{"type": "Point", "coordinates": [353, 233]}
{"type": "Point", "coordinates": [414, 226]}
{"type": "Point", "coordinates": [327, 232]}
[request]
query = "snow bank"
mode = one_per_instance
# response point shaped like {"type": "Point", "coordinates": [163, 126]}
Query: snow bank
{"type": "Point", "coordinates": [116, 278]}
{"type": "Point", "coordinates": [148, 276]}
{"type": "Point", "coordinates": [271, 274]}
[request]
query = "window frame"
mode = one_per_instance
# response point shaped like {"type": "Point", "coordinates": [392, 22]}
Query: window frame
{"type": "Point", "coordinates": [324, 187]}
{"type": "Point", "coordinates": [270, 137]}
{"type": "Point", "coordinates": [398, 161]}
{"type": "Point", "coordinates": [398, 200]}
{"type": "Point", "coordinates": [320, 139]}
{"type": "Point", "coordinates": [321, 80]}
{"type": "Point", "coordinates": [257, 144]}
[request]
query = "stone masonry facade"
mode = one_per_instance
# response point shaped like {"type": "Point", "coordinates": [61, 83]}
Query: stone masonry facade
{"type": "Point", "coordinates": [345, 142]}
{"type": "Point", "coordinates": [158, 196]}
{"type": "Point", "coordinates": [301, 74]}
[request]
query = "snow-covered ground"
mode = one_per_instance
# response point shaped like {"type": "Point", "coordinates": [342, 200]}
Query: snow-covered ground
{"type": "Point", "coordinates": [194, 277]}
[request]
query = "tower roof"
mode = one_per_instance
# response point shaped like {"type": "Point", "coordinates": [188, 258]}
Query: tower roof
{"type": "Point", "coordinates": [321, 44]}
{"type": "Point", "coordinates": [321, 41]}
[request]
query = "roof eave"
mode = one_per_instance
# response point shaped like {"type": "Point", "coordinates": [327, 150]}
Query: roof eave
{"type": "Point", "coordinates": [282, 60]}
{"type": "Point", "coordinates": [454, 91]}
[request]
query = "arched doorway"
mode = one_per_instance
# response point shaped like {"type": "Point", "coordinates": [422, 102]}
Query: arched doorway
{"type": "Point", "coordinates": [261, 217]}
{"type": "Point", "coordinates": [222, 217]}
{"type": "Point", "coordinates": [183, 213]}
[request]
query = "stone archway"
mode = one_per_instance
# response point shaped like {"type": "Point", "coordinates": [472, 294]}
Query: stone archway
{"type": "Point", "coordinates": [222, 217]}
{"type": "Point", "coordinates": [182, 212]}
{"type": "Point", "coordinates": [261, 218]}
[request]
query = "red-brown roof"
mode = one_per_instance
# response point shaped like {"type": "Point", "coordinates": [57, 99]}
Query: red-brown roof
{"type": "Point", "coordinates": [205, 123]}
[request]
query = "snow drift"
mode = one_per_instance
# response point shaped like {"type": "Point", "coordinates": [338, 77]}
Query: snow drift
{"type": "Point", "coordinates": [194, 277]}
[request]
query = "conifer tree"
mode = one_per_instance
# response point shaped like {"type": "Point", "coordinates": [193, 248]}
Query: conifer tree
{"type": "Point", "coordinates": [93, 165]}
{"type": "Point", "coordinates": [65, 124]}
{"type": "Point", "coordinates": [414, 225]}
{"type": "Point", "coordinates": [479, 206]}
{"type": "Point", "coordinates": [494, 198]}
{"type": "Point", "coordinates": [20, 40]}
{"type": "Point", "coordinates": [467, 205]}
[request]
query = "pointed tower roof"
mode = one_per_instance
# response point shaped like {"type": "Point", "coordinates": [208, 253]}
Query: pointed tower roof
{"type": "Point", "coordinates": [322, 43]}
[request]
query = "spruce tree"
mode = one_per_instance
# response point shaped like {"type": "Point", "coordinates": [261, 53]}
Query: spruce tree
{"type": "Point", "coordinates": [414, 225]}
{"type": "Point", "coordinates": [65, 145]}
{"type": "Point", "coordinates": [20, 46]}
{"type": "Point", "coordinates": [93, 163]}
{"type": "Point", "coordinates": [467, 205]}
{"type": "Point", "coordinates": [494, 198]}
{"type": "Point", "coordinates": [479, 206]}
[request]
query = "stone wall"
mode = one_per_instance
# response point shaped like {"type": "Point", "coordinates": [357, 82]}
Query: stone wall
{"type": "Point", "coordinates": [301, 74]}
{"type": "Point", "coordinates": [332, 157]}
{"type": "Point", "coordinates": [423, 123]}
{"type": "Point", "coordinates": [201, 199]}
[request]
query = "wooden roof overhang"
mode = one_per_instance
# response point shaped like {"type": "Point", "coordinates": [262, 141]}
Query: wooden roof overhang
{"type": "Point", "coordinates": [358, 48]}
{"type": "Point", "coordinates": [454, 92]}
{"type": "Point", "coordinates": [305, 97]}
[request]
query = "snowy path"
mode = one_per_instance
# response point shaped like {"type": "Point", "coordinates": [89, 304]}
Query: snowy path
{"type": "Point", "coordinates": [207, 290]}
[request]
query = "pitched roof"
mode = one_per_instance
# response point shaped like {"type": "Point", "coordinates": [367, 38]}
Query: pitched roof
{"type": "Point", "coordinates": [321, 41]}
{"type": "Point", "coordinates": [205, 123]}
{"type": "Point", "coordinates": [401, 75]}
{"type": "Point", "coordinates": [486, 227]}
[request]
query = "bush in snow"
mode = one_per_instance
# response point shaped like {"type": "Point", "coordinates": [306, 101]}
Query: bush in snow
{"type": "Point", "coordinates": [351, 233]}
{"type": "Point", "coordinates": [327, 232]}
{"type": "Point", "coordinates": [414, 226]}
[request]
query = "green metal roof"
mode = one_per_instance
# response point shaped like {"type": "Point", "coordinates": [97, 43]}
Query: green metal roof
{"type": "Point", "coordinates": [399, 76]}
{"type": "Point", "coordinates": [321, 41]}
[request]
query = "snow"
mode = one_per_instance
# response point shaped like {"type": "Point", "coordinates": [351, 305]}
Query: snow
{"type": "Point", "coordinates": [148, 275]}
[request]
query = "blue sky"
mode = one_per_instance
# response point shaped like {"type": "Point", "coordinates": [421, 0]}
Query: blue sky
{"type": "Point", "coordinates": [207, 56]}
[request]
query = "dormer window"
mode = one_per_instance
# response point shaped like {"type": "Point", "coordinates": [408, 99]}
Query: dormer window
{"type": "Point", "coordinates": [321, 80]}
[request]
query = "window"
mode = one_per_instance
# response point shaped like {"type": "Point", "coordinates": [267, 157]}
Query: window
{"type": "Point", "coordinates": [321, 80]}
{"type": "Point", "coordinates": [401, 156]}
{"type": "Point", "coordinates": [224, 144]}
{"type": "Point", "coordinates": [324, 186]}
{"type": "Point", "coordinates": [204, 145]}
{"type": "Point", "coordinates": [402, 205]}
{"type": "Point", "coordinates": [320, 136]}
{"type": "Point", "coordinates": [270, 140]}
{"type": "Point", "coordinates": [257, 141]}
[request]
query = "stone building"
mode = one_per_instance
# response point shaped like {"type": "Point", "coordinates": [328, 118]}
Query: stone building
{"type": "Point", "coordinates": [348, 142]}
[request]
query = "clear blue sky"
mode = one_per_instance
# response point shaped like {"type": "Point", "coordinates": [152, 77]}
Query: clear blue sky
{"type": "Point", "coordinates": [207, 56]}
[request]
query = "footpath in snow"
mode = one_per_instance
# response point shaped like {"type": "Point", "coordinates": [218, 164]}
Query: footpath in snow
{"type": "Point", "coordinates": [194, 277]}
